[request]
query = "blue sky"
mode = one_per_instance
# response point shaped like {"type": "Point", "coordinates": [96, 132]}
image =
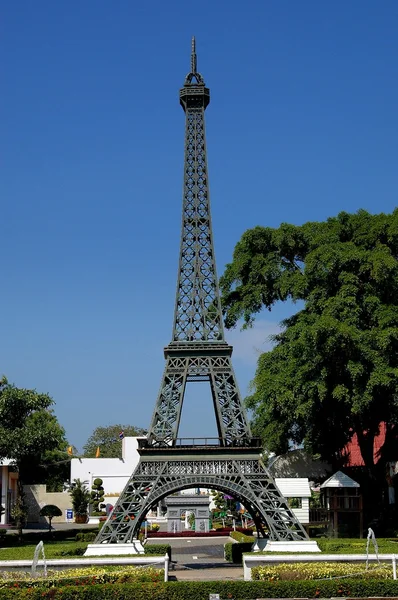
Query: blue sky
{"type": "Point", "coordinates": [302, 124]}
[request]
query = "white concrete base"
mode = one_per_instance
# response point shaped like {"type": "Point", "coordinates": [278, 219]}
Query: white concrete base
{"type": "Point", "coordinates": [135, 547]}
{"type": "Point", "coordinates": [93, 520]}
{"type": "Point", "coordinates": [264, 545]}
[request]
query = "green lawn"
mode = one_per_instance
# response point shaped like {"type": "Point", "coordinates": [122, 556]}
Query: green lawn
{"type": "Point", "coordinates": [351, 546]}
{"type": "Point", "coordinates": [52, 549]}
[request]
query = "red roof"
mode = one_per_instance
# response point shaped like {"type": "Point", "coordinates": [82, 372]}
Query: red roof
{"type": "Point", "coordinates": [354, 457]}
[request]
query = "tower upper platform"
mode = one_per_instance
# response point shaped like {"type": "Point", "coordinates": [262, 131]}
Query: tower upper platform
{"type": "Point", "coordinates": [194, 94]}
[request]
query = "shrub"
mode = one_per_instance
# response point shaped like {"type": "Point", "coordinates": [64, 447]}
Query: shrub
{"type": "Point", "coordinates": [241, 537]}
{"type": "Point", "coordinates": [85, 537]}
{"type": "Point", "coordinates": [73, 551]}
{"type": "Point", "coordinates": [192, 590]}
{"type": "Point", "coordinates": [155, 527]}
{"type": "Point", "coordinates": [233, 552]}
{"type": "Point", "coordinates": [158, 549]}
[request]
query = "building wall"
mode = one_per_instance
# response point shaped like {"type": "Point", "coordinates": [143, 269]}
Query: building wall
{"type": "Point", "coordinates": [303, 513]}
{"type": "Point", "coordinates": [37, 496]}
{"type": "Point", "coordinates": [114, 472]}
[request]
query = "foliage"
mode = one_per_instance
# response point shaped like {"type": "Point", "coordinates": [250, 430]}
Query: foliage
{"type": "Point", "coordinates": [82, 536]}
{"type": "Point", "coordinates": [294, 502]}
{"type": "Point", "coordinates": [80, 497]}
{"type": "Point", "coordinates": [192, 590]}
{"type": "Point", "coordinates": [158, 549]}
{"type": "Point", "coordinates": [82, 576]}
{"type": "Point", "coordinates": [31, 435]}
{"type": "Point", "coordinates": [356, 546]}
{"type": "Point", "coordinates": [155, 527]}
{"type": "Point", "coordinates": [233, 551]}
{"type": "Point", "coordinates": [321, 570]}
{"type": "Point", "coordinates": [97, 494]}
{"type": "Point", "coordinates": [219, 501]}
{"type": "Point", "coordinates": [315, 499]}
{"type": "Point", "coordinates": [334, 366]}
{"type": "Point", "coordinates": [50, 511]}
{"type": "Point", "coordinates": [239, 536]}
{"type": "Point", "coordinates": [107, 439]}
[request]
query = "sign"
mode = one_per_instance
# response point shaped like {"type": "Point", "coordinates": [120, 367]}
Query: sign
{"type": "Point", "coordinates": [69, 515]}
{"type": "Point", "coordinates": [214, 596]}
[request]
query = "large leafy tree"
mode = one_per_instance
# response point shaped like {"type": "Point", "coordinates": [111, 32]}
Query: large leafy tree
{"type": "Point", "coordinates": [334, 368]}
{"type": "Point", "coordinates": [108, 441]}
{"type": "Point", "coordinates": [30, 436]}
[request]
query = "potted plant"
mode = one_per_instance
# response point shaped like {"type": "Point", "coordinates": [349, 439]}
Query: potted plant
{"type": "Point", "coordinates": [80, 498]}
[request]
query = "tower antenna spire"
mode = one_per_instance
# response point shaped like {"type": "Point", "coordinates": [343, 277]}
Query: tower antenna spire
{"type": "Point", "coordinates": [194, 68]}
{"type": "Point", "coordinates": [193, 74]}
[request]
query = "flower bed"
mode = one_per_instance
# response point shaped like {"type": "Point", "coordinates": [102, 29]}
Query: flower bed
{"type": "Point", "coordinates": [80, 576]}
{"type": "Point", "coordinates": [312, 571]}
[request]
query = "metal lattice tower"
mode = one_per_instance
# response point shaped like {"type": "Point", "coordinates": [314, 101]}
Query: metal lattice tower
{"type": "Point", "coordinates": [198, 352]}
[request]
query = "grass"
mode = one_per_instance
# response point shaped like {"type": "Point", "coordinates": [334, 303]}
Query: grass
{"type": "Point", "coordinates": [52, 549]}
{"type": "Point", "coordinates": [351, 546]}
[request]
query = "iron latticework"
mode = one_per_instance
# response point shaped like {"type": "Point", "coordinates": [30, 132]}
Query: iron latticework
{"type": "Point", "coordinates": [198, 352]}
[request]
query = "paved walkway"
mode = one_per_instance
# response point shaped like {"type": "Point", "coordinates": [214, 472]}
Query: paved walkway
{"type": "Point", "coordinates": [199, 559]}
{"type": "Point", "coordinates": [204, 573]}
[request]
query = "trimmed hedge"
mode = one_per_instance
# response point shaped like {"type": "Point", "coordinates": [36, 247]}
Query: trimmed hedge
{"type": "Point", "coordinates": [192, 590]}
{"type": "Point", "coordinates": [242, 537]}
{"type": "Point", "coordinates": [233, 552]}
{"type": "Point", "coordinates": [157, 549]}
{"type": "Point", "coordinates": [85, 537]}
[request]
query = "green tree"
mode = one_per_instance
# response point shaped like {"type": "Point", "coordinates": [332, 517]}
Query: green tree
{"type": "Point", "coordinates": [334, 368]}
{"type": "Point", "coordinates": [107, 440]}
{"type": "Point", "coordinates": [28, 431]}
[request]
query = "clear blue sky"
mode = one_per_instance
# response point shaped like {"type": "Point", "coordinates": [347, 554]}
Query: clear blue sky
{"type": "Point", "coordinates": [302, 124]}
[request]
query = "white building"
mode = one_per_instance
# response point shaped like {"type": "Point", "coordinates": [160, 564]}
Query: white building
{"type": "Point", "coordinates": [299, 489]}
{"type": "Point", "coordinates": [115, 473]}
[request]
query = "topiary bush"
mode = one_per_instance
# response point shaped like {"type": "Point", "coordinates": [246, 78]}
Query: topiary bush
{"type": "Point", "coordinates": [50, 511]}
{"type": "Point", "coordinates": [97, 496]}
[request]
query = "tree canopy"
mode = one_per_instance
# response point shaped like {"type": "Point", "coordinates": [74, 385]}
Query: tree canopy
{"type": "Point", "coordinates": [31, 437]}
{"type": "Point", "coordinates": [334, 368]}
{"type": "Point", "coordinates": [29, 430]}
{"type": "Point", "coordinates": [108, 441]}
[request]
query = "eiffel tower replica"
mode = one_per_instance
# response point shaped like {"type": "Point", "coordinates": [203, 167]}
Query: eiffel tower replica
{"type": "Point", "coordinates": [198, 351]}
